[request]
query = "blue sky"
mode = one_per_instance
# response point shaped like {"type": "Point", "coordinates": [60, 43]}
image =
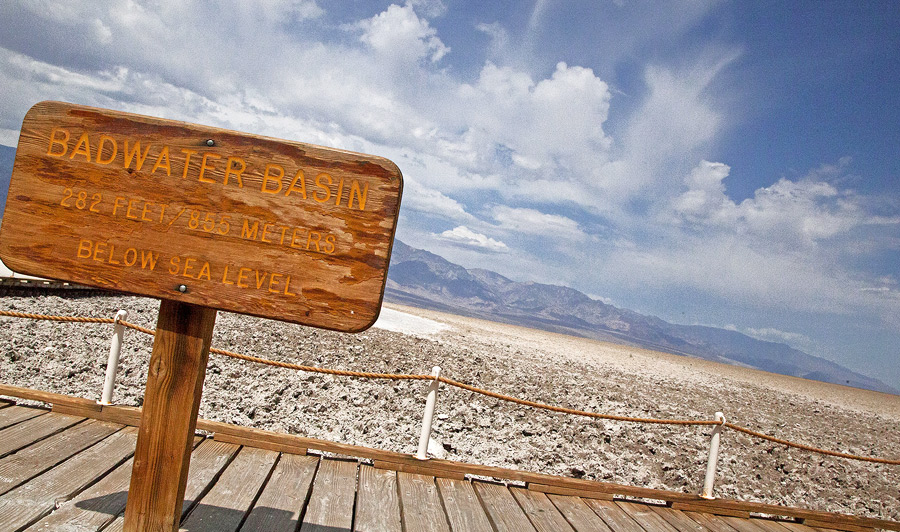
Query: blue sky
{"type": "Point", "coordinates": [722, 163]}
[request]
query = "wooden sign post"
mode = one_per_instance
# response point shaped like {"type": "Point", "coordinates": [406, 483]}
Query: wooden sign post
{"type": "Point", "coordinates": [203, 219]}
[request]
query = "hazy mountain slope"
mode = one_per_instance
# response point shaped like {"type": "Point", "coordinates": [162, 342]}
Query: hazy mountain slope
{"type": "Point", "coordinates": [7, 156]}
{"type": "Point", "coordinates": [423, 279]}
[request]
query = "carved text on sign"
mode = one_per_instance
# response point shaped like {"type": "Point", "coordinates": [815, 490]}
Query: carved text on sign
{"type": "Point", "coordinates": [246, 223]}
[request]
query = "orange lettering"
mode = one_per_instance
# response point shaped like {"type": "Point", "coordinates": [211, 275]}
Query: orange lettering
{"type": "Point", "coordinates": [262, 281]}
{"type": "Point", "coordinates": [225, 276]}
{"type": "Point", "coordinates": [135, 154]}
{"type": "Point", "coordinates": [287, 286]}
{"type": "Point", "coordinates": [267, 178]}
{"type": "Point", "coordinates": [82, 147]}
{"type": "Point", "coordinates": [230, 170]}
{"type": "Point", "coordinates": [340, 193]}
{"type": "Point", "coordinates": [266, 227]}
{"type": "Point", "coordinates": [298, 178]}
{"type": "Point", "coordinates": [360, 195]}
{"type": "Point", "coordinates": [273, 282]}
{"type": "Point", "coordinates": [112, 250]}
{"type": "Point", "coordinates": [242, 277]}
{"type": "Point", "coordinates": [99, 247]}
{"type": "Point", "coordinates": [64, 142]}
{"type": "Point", "coordinates": [309, 239]}
{"type": "Point", "coordinates": [162, 161]}
{"type": "Point", "coordinates": [204, 167]}
{"type": "Point", "coordinates": [204, 272]}
{"type": "Point", "coordinates": [187, 160]}
{"type": "Point", "coordinates": [104, 139]}
{"type": "Point", "coordinates": [130, 256]}
{"type": "Point", "coordinates": [324, 193]}
{"type": "Point", "coordinates": [85, 248]}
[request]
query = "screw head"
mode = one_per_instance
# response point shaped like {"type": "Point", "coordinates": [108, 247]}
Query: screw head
{"type": "Point", "coordinates": [210, 142]}
{"type": "Point", "coordinates": [182, 288]}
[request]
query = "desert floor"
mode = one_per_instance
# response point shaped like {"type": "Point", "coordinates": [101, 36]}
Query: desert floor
{"type": "Point", "coordinates": [525, 363]}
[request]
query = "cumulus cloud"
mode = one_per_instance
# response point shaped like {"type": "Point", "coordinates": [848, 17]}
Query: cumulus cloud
{"type": "Point", "coordinates": [465, 237]}
{"type": "Point", "coordinates": [400, 34]}
{"type": "Point", "coordinates": [792, 213]}
{"type": "Point", "coordinates": [534, 222]}
{"type": "Point", "coordinates": [422, 199]}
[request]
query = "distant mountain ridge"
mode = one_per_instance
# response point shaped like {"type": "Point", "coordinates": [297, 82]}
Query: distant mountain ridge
{"type": "Point", "coordinates": [422, 279]}
{"type": "Point", "coordinates": [7, 156]}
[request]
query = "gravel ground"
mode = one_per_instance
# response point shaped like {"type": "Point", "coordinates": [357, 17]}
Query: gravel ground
{"type": "Point", "coordinates": [561, 370]}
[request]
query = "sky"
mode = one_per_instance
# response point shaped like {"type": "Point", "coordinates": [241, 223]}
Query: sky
{"type": "Point", "coordinates": [732, 164]}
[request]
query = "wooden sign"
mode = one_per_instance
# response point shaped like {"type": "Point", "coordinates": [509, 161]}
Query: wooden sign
{"type": "Point", "coordinates": [201, 215]}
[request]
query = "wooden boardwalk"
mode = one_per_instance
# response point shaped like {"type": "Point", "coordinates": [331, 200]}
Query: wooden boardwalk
{"type": "Point", "coordinates": [69, 470]}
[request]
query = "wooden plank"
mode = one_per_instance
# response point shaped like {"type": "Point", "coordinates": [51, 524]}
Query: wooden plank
{"type": "Point", "coordinates": [678, 519]}
{"type": "Point", "coordinates": [575, 492]}
{"type": "Point", "coordinates": [282, 501]}
{"type": "Point", "coordinates": [461, 504]}
{"type": "Point", "coordinates": [841, 525]}
{"type": "Point", "coordinates": [245, 221]}
{"type": "Point", "coordinates": [769, 525]}
{"type": "Point", "coordinates": [31, 461]}
{"type": "Point", "coordinates": [684, 501]}
{"type": "Point", "coordinates": [123, 415]}
{"type": "Point", "coordinates": [95, 507]}
{"type": "Point", "coordinates": [29, 502]}
{"type": "Point", "coordinates": [646, 517]}
{"type": "Point", "coordinates": [501, 507]}
{"type": "Point", "coordinates": [330, 506]}
{"type": "Point", "coordinates": [797, 527]}
{"type": "Point", "coordinates": [171, 402]}
{"type": "Point", "coordinates": [743, 525]}
{"type": "Point", "coordinates": [578, 514]}
{"type": "Point", "coordinates": [224, 507]}
{"type": "Point", "coordinates": [16, 414]}
{"type": "Point", "coordinates": [32, 430]}
{"type": "Point", "coordinates": [715, 510]}
{"type": "Point", "coordinates": [614, 516]}
{"type": "Point", "coordinates": [207, 462]}
{"type": "Point", "coordinates": [540, 511]}
{"type": "Point", "coordinates": [268, 444]}
{"type": "Point", "coordinates": [47, 397]}
{"type": "Point", "coordinates": [377, 501]}
{"type": "Point", "coordinates": [419, 469]}
{"type": "Point", "coordinates": [422, 509]}
{"type": "Point", "coordinates": [712, 522]}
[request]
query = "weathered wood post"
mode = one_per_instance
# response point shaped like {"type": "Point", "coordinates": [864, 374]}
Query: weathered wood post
{"type": "Point", "coordinates": [169, 417]}
{"type": "Point", "coordinates": [204, 219]}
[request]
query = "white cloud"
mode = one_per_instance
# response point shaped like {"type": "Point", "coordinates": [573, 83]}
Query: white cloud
{"type": "Point", "coordinates": [787, 213]}
{"type": "Point", "coordinates": [400, 34]}
{"type": "Point", "coordinates": [463, 236]}
{"type": "Point", "coordinates": [534, 222]}
{"type": "Point", "coordinates": [419, 198]}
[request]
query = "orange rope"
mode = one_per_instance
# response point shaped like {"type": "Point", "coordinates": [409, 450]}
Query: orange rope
{"type": "Point", "coordinates": [468, 387]}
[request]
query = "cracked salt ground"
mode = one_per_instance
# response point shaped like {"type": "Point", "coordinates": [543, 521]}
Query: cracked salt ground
{"type": "Point", "coordinates": [544, 367]}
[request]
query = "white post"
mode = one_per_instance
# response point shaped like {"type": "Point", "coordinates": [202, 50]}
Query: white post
{"type": "Point", "coordinates": [430, 401]}
{"type": "Point", "coordinates": [115, 349]}
{"type": "Point", "coordinates": [713, 458]}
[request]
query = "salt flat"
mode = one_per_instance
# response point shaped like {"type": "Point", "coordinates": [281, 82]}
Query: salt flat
{"type": "Point", "coordinates": [535, 365]}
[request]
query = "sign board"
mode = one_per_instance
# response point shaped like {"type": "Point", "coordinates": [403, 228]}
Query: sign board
{"type": "Point", "coordinates": [201, 215]}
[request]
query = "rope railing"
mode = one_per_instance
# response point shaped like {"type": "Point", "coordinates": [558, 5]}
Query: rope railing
{"type": "Point", "coordinates": [470, 388]}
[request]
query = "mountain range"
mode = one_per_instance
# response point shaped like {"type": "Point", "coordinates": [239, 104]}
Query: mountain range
{"type": "Point", "coordinates": [422, 279]}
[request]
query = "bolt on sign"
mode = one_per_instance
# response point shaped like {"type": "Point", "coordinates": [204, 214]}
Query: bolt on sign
{"type": "Point", "coordinates": [201, 215]}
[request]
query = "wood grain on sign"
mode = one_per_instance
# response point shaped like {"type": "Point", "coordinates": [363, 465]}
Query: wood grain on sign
{"type": "Point", "coordinates": [248, 224]}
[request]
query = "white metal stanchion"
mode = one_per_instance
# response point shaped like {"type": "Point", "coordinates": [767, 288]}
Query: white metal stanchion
{"type": "Point", "coordinates": [430, 402]}
{"type": "Point", "coordinates": [713, 458]}
{"type": "Point", "coordinates": [112, 365]}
